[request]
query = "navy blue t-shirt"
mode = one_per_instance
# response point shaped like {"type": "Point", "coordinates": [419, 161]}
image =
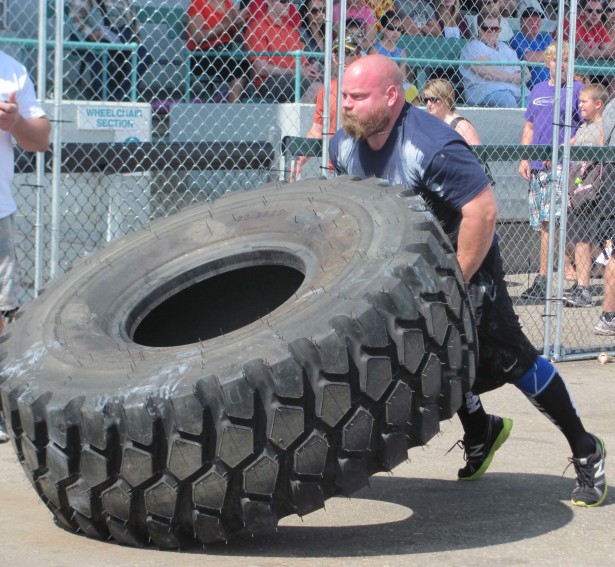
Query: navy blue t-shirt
{"type": "Point", "coordinates": [423, 154]}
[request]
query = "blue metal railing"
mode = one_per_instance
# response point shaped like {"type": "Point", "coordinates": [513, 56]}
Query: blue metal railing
{"type": "Point", "coordinates": [105, 48]}
{"type": "Point", "coordinates": [598, 67]}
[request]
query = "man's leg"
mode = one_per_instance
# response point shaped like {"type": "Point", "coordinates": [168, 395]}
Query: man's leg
{"type": "Point", "coordinates": [483, 435]}
{"type": "Point", "coordinates": [503, 352]}
{"type": "Point", "coordinates": [507, 356]}
{"type": "Point", "coordinates": [581, 295]}
{"type": "Point", "coordinates": [500, 99]}
{"type": "Point", "coordinates": [94, 59]}
{"type": "Point", "coordinates": [539, 205]}
{"type": "Point", "coordinates": [544, 248]}
{"type": "Point", "coordinates": [546, 389]}
{"type": "Point", "coordinates": [609, 286]}
{"type": "Point", "coordinates": [606, 323]}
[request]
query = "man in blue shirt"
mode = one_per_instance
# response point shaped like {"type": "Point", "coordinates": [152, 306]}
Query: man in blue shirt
{"type": "Point", "coordinates": [530, 44]}
{"type": "Point", "coordinates": [385, 137]}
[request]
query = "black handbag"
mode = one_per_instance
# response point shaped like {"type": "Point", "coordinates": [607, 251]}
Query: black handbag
{"type": "Point", "coordinates": [584, 183]}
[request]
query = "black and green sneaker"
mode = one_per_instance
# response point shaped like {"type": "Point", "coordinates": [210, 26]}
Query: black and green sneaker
{"type": "Point", "coordinates": [479, 451]}
{"type": "Point", "coordinates": [591, 485]}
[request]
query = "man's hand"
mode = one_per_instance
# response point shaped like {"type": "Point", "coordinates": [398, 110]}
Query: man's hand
{"type": "Point", "coordinates": [515, 78]}
{"type": "Point", "coordinates": [9, 114]}
{"type": "Point", "coordinates": [524, 169]}
{"type": "Point", "coordinates": [295, 168]}
{"type": "Point", "coordinates": [32, 134]}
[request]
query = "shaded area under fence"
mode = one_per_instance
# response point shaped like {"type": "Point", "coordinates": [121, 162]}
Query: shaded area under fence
{"type": "Point", "coordinates": [154, 156]}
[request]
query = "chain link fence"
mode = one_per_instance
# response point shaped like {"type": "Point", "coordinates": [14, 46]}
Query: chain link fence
{"type": "Point", "coordinates": [157, 105]}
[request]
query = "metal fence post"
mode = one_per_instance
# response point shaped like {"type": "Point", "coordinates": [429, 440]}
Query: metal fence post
{"type": "Point", "coordinates": [54, 255]}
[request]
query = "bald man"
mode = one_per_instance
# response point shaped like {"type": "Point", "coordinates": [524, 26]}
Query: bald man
{"type": "Point", "coordinates": [387, 138]}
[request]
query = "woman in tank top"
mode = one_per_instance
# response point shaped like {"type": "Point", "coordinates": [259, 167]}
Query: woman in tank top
{"type": "Point", "coordinates": [439, 98]}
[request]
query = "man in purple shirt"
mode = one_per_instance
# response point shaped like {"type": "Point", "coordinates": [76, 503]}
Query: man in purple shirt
{"type": "Point", "coordinates": [538, 129]}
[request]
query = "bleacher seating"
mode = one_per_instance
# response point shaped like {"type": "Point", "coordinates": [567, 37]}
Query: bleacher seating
{"type": "Point", "coordinates": [172, 22]}
{"type": "Point", "coordinates": [167, 25]}
{"type": "Point", "coordinates": [438, 49]}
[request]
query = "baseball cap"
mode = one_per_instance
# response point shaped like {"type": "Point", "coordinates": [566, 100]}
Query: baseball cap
{"type": "Point", "coordinates": [351, 43]}
{"type": "Point", "coordinates": [529, 12]}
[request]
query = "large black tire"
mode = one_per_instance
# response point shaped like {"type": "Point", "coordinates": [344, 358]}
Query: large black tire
{"type": "Point", "coordinates": [239, 362]}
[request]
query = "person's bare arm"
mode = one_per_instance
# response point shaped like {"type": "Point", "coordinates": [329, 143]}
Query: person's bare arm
{"type": "Point", "coordinates": [432, 28]}
{"type": "Point", "coordinates": [370, 33]}
{"type": "Point", "coordinates": [264, 68]}
{"type": "Point", "coordinates": [468, 133]}
{"type": "Point", "coordinates": [526, 139]}
{"type": "Point", "coordinates": [534, 56]}
{"type": "Point", "coordinates": [410, 27]}
{"type": "Point", "coordinates": [403, 67]}
{"type": "Point", "coordinates": [600, 51]}
{"type": "Point", "coordinates": [31, 134]}
{"type": "Point", "coordinates": [478, 218]}
{"type": "Point", "coordinates": [493, 73]}
{"type": "Point", "coordinates": [314, 132]}
{"type": "Point", "coordinates": [199, 32]}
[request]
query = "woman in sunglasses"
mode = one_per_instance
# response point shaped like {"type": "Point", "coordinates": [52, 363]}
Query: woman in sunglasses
{"type": "Point", "coordinates": [313, 25]}
{"type": "Point", "coordinates": [491, 86]}
{"type": "Point", "coordinates": [390, 33]}
{"type": "Point", "coordinates": [448, 21]}
{"type": "Point", "coordinates": [491, 8]}
{"type": "Point", "coordinates": [439, 99]}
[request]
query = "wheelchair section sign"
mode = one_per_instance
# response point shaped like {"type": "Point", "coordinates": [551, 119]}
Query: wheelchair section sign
{"type": "Point", "coordinates": [128, 122]}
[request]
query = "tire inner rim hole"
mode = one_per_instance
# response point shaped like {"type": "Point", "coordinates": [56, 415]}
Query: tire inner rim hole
{"type": "Point", "coordinates": [218, 305]}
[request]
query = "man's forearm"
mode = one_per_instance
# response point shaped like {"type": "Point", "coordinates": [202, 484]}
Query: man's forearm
{"type": "Point", "coordinates": [476, 231]}
{"type": "Point", "coordinates": [32, 134]}
{"type": "Point", "coordinates": [473, 243]}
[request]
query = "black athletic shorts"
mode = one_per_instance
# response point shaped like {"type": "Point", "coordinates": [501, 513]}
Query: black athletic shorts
{"type": "Point", "coordinates": [505, 353]}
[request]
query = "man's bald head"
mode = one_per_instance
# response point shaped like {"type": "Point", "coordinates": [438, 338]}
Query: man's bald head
{"type": "Point", "coordinates": [376, 69]}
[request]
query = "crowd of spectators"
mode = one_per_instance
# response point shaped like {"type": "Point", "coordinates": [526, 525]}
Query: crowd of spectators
{"type": "Point", "coordinates": [243, 44]}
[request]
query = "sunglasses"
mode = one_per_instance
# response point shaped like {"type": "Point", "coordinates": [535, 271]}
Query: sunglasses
{"type": "Point", "coordinates": [283, 1]}
{"type": "Point", "coordinates": [593, 10]}
{"type": "Point", "coordinates": [350, 52]}
{"type": "Point", "coordinates": [490, 28]}
{"type": "Point", "coordinates": [610, 10]}
{"type": "Point", "coordinates": [430, 99]}
{"type": "Point", "coordinates": [316, 11]}
{"type": "Point", "coordinates": [391, 27]}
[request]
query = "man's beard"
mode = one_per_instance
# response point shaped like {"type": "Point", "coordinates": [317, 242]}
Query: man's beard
{"type": "Point", "coordinates": [366, 127]}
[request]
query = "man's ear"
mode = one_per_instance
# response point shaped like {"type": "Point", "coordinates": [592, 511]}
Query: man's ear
{"type": "Point", "coordinates": [392, 93]}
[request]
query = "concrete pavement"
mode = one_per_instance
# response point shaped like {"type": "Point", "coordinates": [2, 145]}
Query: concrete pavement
{"type": "Point", "coordinates": [517, 514]}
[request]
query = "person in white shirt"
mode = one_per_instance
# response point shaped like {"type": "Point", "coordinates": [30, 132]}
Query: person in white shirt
{"type": "Point", "coordinates": [21, 118]}
{"type": "Point", "coordinates": [493, 86]}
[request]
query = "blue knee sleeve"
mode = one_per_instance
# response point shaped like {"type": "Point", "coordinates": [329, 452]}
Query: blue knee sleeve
{"type": "Point", "coordinates": [537, 378]}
